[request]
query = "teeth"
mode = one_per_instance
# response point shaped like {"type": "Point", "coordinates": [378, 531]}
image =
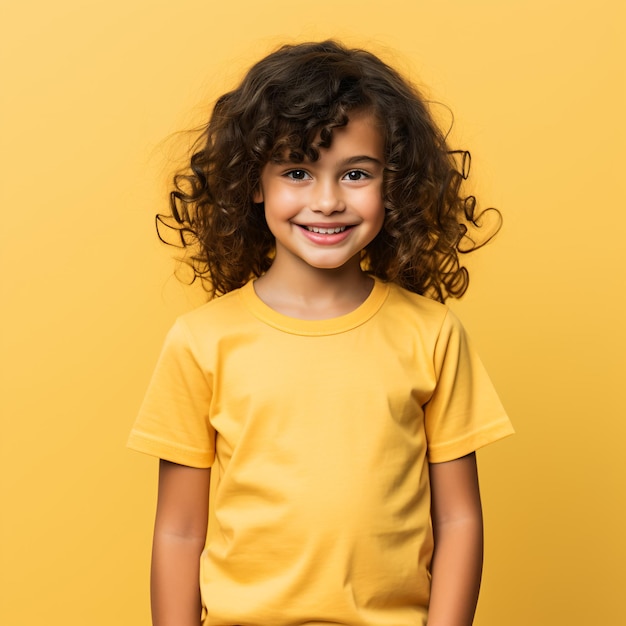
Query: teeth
{"type": "Point", "coordinates": [325, 231]}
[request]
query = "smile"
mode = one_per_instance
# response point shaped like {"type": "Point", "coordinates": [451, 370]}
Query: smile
{"type": "Point", "coordinates": [325, 231]}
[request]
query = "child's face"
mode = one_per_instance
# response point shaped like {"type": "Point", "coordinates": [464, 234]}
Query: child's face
{"type": "Point", "coordinates": [324, 213]}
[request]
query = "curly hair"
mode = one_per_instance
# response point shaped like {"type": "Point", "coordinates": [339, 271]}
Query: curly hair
{"type": "Point", "coordinates": [290, 102]}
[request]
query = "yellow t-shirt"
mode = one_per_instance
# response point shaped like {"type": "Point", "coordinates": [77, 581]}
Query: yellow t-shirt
{"type": "Point", "coordinates": [319, 435]}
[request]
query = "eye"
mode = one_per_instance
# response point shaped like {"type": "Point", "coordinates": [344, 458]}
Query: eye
{"type": "Point", "coordinates": [356, 175]}
{"type": "Point", "coordinates": [297, 174]}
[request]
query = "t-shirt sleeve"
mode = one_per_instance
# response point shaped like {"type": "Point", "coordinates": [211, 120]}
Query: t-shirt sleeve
{"type": "Point", "coordinates": [173, 421]}
{"type": "Point", "coordinates": [464, 413]}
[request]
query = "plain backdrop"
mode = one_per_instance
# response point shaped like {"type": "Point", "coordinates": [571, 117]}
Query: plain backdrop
{"type": "Point", "coordinates": [93, 94]}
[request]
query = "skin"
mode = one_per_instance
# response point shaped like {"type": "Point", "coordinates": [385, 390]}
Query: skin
{"type": "Point", "coordinates": [179, 537]}
{"type": "Point", "coordinates": [458, 531]}
{"type": "Point", "coordinates": [318, 276]}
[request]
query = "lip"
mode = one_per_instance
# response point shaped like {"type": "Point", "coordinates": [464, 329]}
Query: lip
{"type": "Point", "coordinates": [325, 239]}
{"type": "Point", "coordinates": [326, 225]}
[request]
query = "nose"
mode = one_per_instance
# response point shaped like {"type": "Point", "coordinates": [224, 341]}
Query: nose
{"type": "Point", "coordinates": [327, 198]}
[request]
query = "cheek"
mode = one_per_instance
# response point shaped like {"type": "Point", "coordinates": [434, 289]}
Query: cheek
{"type": "Point", "coordinates": [380, 220]}
{"type": "Point", "coordinates": [377, 212]}
{"type": "Point", "coordinates": [281, 202]}
{"type": "Point", "coordinates": [278, 210]}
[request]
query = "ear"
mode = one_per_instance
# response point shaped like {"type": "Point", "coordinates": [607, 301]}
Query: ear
{"type": "Point", "coordinates": [257, 196]}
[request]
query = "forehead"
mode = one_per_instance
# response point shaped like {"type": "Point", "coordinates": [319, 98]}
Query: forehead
{"type": "Point", "coordinates": [363, 134]}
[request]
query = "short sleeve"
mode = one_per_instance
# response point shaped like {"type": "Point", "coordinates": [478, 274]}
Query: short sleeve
{"type": "Point", "coordinates": [464, 413]}
{"type": "Point", "coordinates": [173, 421]}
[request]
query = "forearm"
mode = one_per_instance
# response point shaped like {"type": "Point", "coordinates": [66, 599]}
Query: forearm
{"type": "Point", "coordinates": [179, 537]}
{"type": "Point", "coordinates": [458, 532]}
{"type": "Point", "coordinates": [456, 572]}
{"type": "Point", "coordinates": [175, 580]}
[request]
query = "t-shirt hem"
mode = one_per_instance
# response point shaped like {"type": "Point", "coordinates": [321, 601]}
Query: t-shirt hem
{"type": "Point", "coordinates": [166, 451]}
{"type": "Point", "coordinates": [470, 443]}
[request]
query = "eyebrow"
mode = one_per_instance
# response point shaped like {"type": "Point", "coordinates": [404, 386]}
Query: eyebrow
{"type": "Point", "coordinates": [361, 158]}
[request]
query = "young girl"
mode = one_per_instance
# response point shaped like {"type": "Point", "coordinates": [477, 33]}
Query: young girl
{"type": "Point", "coordinates": [331, 409]}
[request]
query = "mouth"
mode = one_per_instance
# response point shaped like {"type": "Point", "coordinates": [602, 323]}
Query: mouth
{"type": "Point", "coordinates": [325, 231]}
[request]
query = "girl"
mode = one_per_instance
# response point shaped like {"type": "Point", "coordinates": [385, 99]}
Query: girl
{"type": "Point", "coordinates": [331, 409]}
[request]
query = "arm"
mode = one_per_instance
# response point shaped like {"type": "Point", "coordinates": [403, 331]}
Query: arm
{"type": "Point", "coordinates": [458, 533]}
{"type": "Point", "coordinates": [179, 537]}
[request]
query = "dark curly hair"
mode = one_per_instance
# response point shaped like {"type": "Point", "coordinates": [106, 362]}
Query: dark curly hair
{"type": "Point", "coordinates": [289, 101]}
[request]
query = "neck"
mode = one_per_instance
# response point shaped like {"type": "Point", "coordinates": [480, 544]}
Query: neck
{"type": "Point", "coordinates": [314, 293]}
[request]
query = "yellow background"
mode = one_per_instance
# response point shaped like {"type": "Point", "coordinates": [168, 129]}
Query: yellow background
{"type": "Point", "coordinates": [90, 91]}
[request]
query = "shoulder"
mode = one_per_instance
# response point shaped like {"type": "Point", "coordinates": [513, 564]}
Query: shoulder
{"type": "Point", "coordinates": [212, 315]}
{"type": "Point", "coordinates": [198, 332]}
{"type": "Point", "coordinates": [419, 303]}
{"type": "Point", "coordinates": [428, 314]}
{"type": "Point", "coordinates": [413, 322]}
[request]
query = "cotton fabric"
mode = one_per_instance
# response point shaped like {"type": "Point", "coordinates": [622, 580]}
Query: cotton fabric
{"type": "Point", "coordinates": [319, 435]}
